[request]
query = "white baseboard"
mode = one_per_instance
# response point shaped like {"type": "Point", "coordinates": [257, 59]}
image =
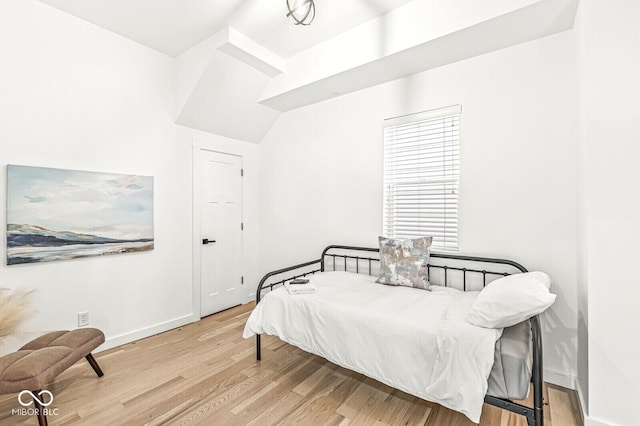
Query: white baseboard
{"type": "Point", "coordinates": [588, 420]}
{"type": "Point", "coordinates": [582, 404]}
{"type": "Point", "coordinates": [141, 333]}
{"type": "Point", "coordinates": [559, 379]}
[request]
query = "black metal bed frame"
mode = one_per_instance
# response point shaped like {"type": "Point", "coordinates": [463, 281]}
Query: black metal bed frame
{"type": "Point", "coordinates": [533, 414]}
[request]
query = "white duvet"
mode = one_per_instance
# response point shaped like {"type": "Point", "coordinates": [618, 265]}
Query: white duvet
{"type": "Point", "coordinates": [414, 340]}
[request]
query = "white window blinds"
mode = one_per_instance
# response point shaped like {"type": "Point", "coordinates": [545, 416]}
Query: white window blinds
{"type": "Point", "coordinates": [421, 176]}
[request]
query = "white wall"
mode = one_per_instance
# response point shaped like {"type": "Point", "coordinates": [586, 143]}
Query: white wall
{"type": "Point", "coordinates": [75, 96]}
{"type": "Point", "coordinates": [321, 171]}
{"type": "Point", "coordinates": [610, 151]}
{"type": "Point", "coordinates": [582, 288]}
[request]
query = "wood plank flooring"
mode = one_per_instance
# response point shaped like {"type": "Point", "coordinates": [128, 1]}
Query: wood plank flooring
{"type": "Point", "coordinates": [206, 374]}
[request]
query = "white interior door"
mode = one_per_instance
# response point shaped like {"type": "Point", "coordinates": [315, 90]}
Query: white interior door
{"type": "Point", "coordinates": [220, 224]}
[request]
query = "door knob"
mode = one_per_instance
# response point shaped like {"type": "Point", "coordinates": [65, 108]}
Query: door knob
{"type": "Point", "coordinates": [206, 241]}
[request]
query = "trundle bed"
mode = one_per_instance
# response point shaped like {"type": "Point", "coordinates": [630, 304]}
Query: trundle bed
{"type": "Point", "coordinates": [385, 333]}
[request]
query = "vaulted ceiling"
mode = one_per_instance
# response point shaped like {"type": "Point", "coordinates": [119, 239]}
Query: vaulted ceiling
{"type": "Point", "coordinates": [174, 26]}
{"type": "Point", "coordinates": [240, 60]}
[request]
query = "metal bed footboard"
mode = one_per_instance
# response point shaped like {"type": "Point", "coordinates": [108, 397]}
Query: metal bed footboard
{"type": "Point", "coordinates": [345, 254]}
{"type": "Point", "coordinates": [262, 286]}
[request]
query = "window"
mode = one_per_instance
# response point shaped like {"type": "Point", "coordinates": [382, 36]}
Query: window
{"type": "Point", "coordinates": [421, 176]}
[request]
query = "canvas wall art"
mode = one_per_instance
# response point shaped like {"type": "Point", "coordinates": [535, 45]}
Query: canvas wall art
{"type": "Point", "coordinates": [56, 214]}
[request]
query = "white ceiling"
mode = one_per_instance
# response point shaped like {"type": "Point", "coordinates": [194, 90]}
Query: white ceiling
{"type": "Point", "coordinates": [173, 26]}
{"type": "Point", "coordinates": [243, 58]}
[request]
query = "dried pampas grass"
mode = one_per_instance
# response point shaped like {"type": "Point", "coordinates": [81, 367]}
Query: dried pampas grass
{"type": "Point", "coordinates": [14, 309]}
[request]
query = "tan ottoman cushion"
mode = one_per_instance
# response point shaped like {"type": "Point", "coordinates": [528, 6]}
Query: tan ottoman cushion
{"type": "Point", "coordinates": [38, 362]}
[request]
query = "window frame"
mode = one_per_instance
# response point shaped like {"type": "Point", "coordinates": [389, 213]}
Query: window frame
{"type": "Point", "coordinates": [421, 176]}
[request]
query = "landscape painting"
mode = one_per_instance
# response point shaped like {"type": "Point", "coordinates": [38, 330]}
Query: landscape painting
{"type": "Point", "coordinates": [56, 214]}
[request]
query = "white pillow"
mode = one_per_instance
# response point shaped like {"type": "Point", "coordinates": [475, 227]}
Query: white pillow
{"type": "Point", "coordinates": [540, 276]}
{"type": "Point", "coordinates": [510, 300]}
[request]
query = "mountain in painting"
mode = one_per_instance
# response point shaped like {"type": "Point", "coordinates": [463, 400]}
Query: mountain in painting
{"type": "Point", "coordinates": [37, 236]}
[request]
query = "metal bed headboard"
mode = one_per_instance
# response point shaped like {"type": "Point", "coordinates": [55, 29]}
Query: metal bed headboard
{"type": "Point", "coordinates": [445, 268]}
{"type": "Point", "coordinates": [357, 260]}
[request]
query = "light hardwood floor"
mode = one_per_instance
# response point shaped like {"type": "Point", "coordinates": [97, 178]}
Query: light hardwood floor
{"type": "Point", "coordinates": [206, 374]}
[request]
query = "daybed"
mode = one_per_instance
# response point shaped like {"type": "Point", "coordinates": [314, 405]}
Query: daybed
{"type": "Point", "coordinates": [414, 340]}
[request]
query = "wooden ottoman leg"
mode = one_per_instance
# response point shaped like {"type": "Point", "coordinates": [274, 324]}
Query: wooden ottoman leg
{"type": "Point", "coordinates": [42, 418]}
{"type": "Point", "coordinates": [94, 365]}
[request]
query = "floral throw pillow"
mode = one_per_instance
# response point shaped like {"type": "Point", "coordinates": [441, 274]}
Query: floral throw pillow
{"type": "Point", "coordinates": [404, 262]}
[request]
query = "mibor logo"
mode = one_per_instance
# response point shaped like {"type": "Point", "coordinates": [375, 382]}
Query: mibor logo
{"type": "Point", "coordinates": [44, 401]}
{"type": "Point", "coordinates": [28, 400]}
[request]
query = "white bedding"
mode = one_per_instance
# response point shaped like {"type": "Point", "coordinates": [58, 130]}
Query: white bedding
{"type": "Point", "coordinates": [414, 340]}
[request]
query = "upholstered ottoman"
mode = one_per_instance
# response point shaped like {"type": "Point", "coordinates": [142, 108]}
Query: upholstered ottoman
{"type": "Point", "coordinates": [37, 363]}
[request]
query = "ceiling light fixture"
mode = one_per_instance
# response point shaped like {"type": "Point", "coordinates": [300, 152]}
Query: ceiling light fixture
{"type": "Point", "coordinates": [301, 12]}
